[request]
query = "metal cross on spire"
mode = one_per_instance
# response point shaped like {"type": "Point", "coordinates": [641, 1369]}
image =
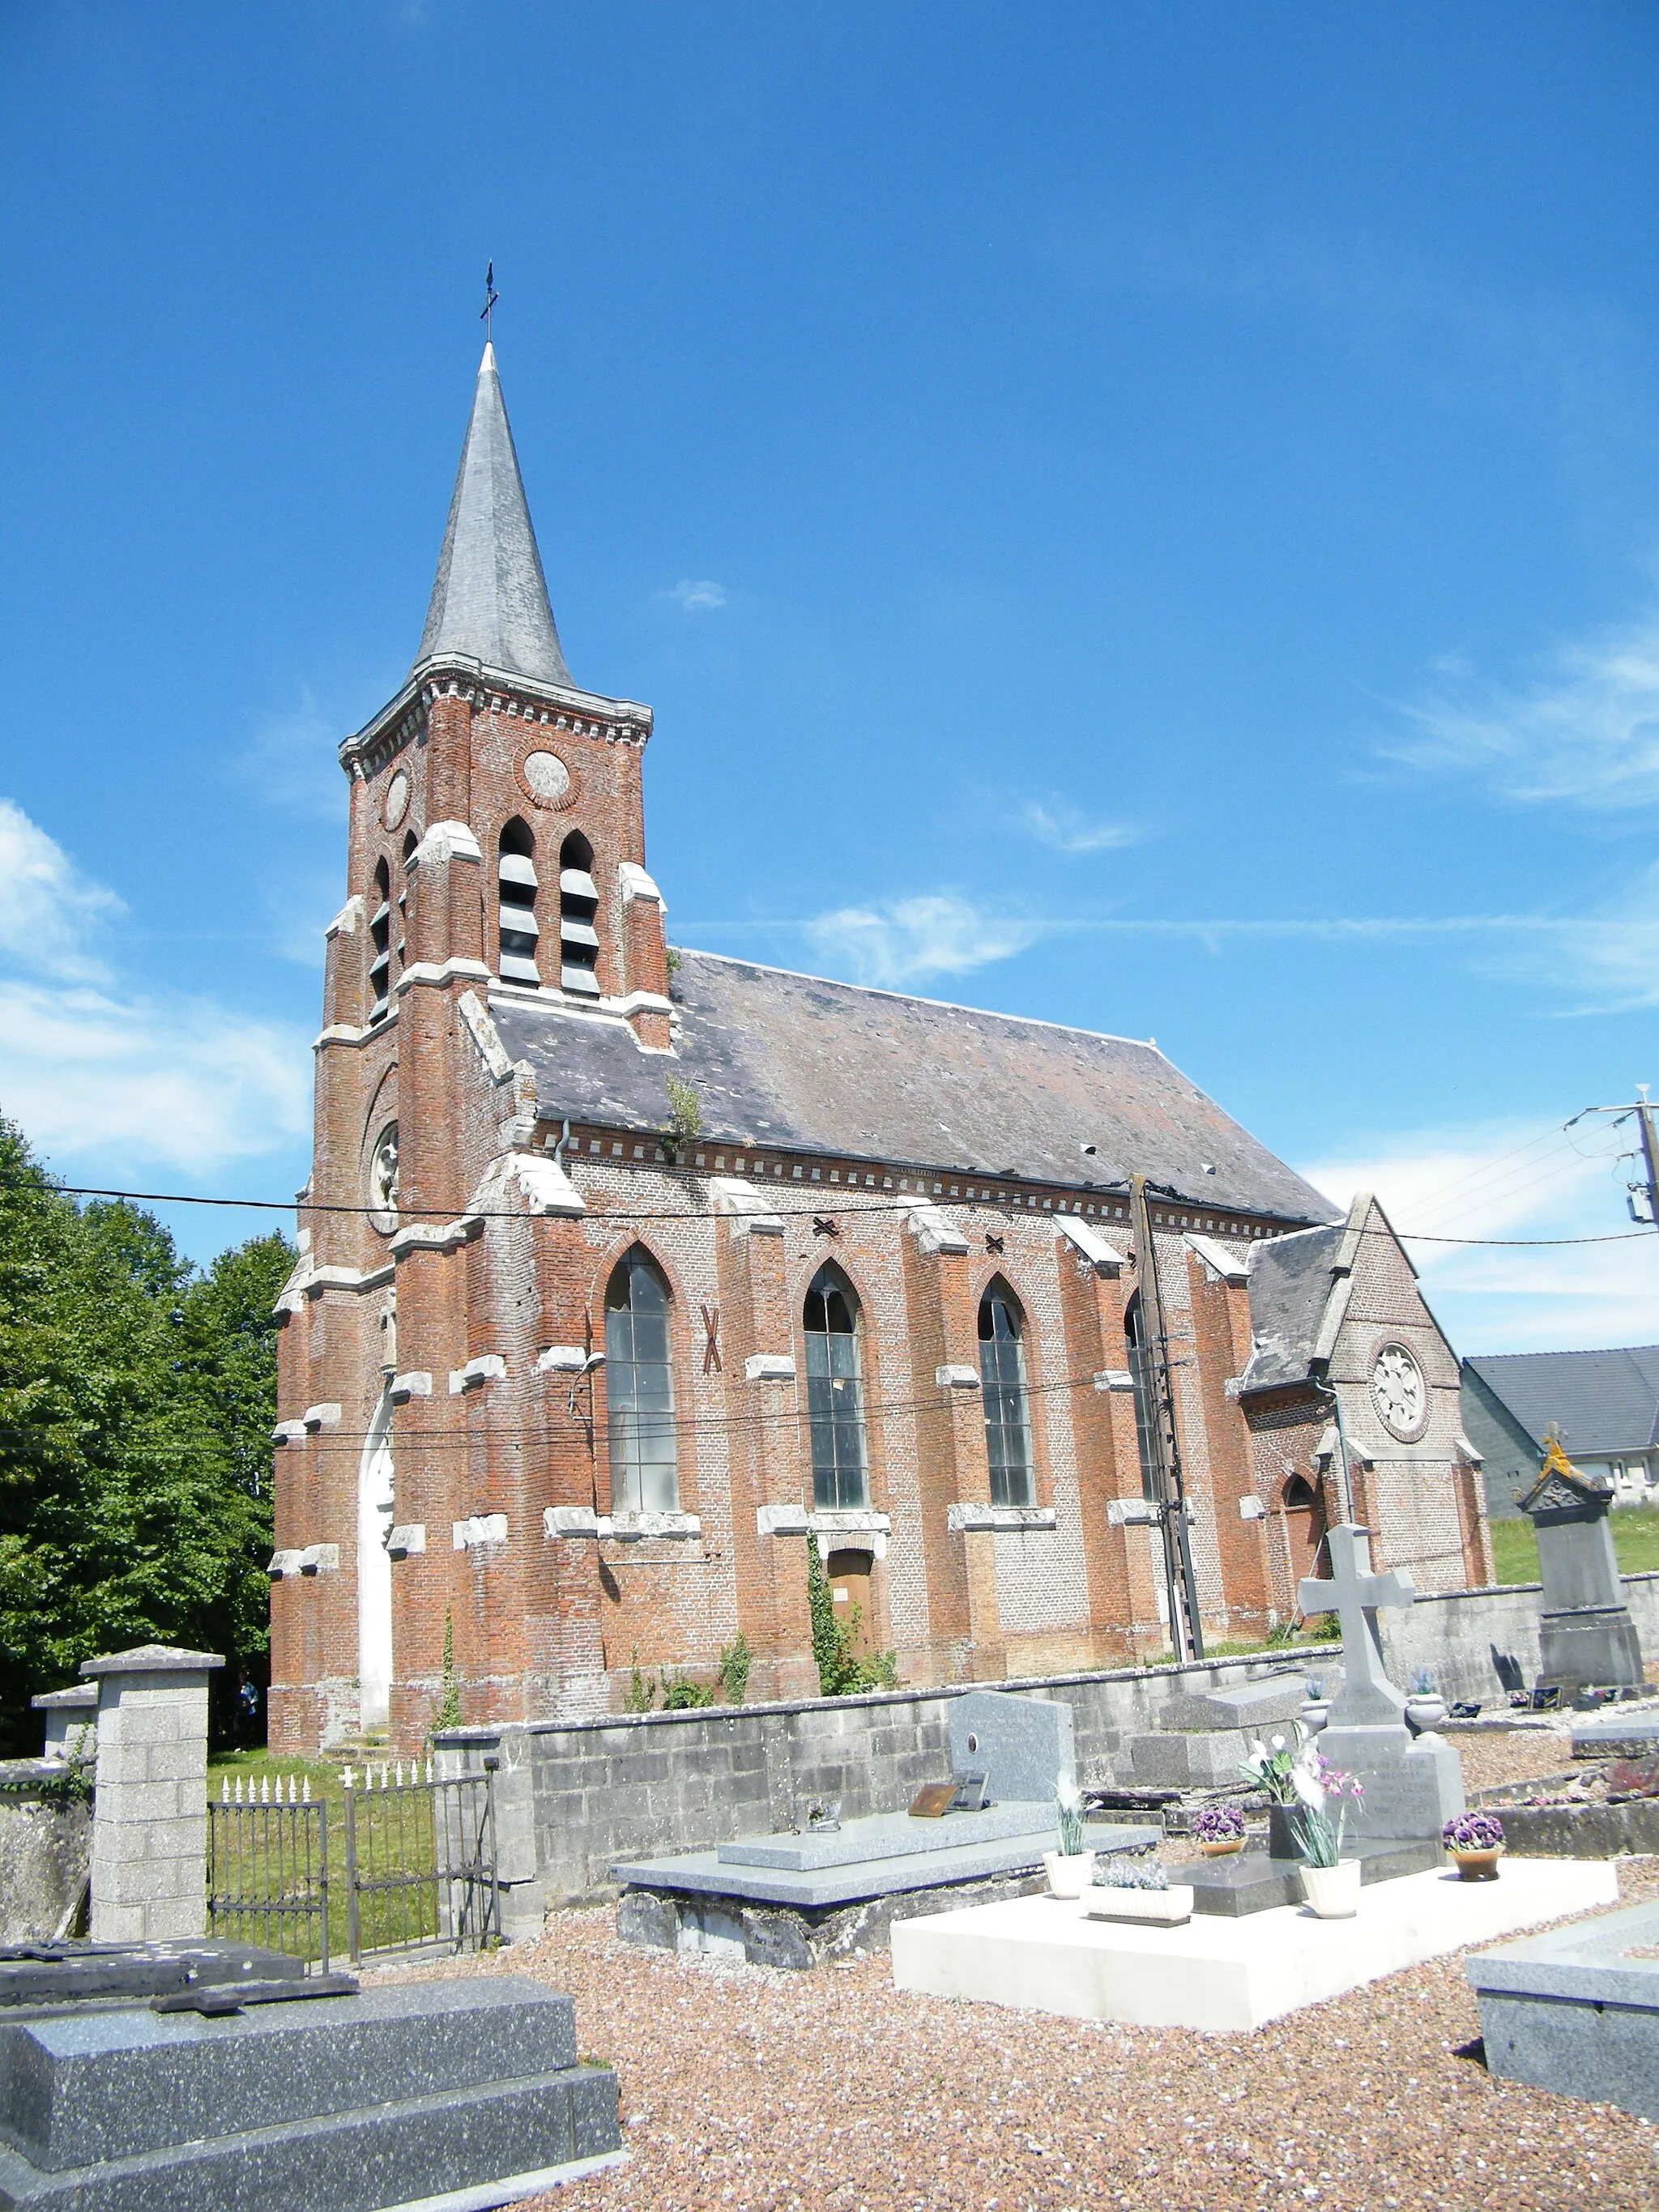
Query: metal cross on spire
{"type": "Point", "coordinates": [491, 295]}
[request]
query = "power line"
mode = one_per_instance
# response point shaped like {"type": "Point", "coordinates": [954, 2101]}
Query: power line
{"type": "Point", "coordinates": [826, 1205]}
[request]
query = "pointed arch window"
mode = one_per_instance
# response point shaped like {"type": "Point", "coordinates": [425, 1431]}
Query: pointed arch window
{"type": "Point", "coordinates": [1007, 1419]}
{"type": "Point", "coordinates": [1145, 1379]}
{"type": "Point", "coordinates": [379, 940]}
{"type": "Point", "coordinates": [835, 1393]}
{"type": "Point", "coordinates": [515, 874]}
{"type": "Point", "coordinates": [639, 1382]}
{"type": "Point", "coordinates": [400, 920]}
{"type": "Point", "coordinates": [579, 907]}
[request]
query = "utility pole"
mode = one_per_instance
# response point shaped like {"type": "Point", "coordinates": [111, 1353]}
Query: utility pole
{"type": "Point", "coordinates": [1170, 1504]}
{"type": "Point", "coordinates": [1647, 1188]}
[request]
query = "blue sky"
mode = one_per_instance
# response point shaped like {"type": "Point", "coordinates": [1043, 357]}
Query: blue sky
{"type": "Point", "coordinates": [1146, 516]}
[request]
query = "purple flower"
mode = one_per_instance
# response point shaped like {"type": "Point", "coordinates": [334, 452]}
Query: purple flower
{"type": "Point", "coordinates": [1472, 1832]}
{"type": "Point", "coordinates": [1219, 1824]}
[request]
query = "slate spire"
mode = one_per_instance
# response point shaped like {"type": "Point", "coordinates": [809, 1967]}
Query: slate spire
{"type": "Point", "coordinates": [490, 597]}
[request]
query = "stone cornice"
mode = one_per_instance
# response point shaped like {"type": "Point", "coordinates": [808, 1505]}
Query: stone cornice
{"type": "Point", "coordinates": [556, 706]}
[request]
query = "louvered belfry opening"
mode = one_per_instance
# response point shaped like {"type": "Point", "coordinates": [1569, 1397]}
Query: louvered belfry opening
{"type": "Point", "coordinates": [520, 929]}
{"type": "Point", "coordinates": [379, 938]}
{"type": "Point", "coordinates": [579, 906]}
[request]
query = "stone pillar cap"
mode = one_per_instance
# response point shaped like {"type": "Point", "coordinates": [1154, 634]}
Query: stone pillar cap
{"type": "Point", "coordinates": [76, 1694]}
{"type": "Point", "coordinates": [153, 1659]}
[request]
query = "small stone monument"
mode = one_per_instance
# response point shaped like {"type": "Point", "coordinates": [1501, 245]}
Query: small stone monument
{"type": "Point", "coordinates": [1023, 1745]}
{"type": "Point", "coordinates": [1411, 1787]}
{"type": "Point", "coordinates": [1585, 1634]}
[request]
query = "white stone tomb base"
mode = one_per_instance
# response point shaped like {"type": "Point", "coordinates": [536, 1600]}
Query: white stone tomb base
{"type": "Point", "coordinates": [1043, 1954]}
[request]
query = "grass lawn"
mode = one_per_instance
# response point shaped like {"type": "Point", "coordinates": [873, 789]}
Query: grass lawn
{"type": "Point", "coordinates": [1635, 1540]}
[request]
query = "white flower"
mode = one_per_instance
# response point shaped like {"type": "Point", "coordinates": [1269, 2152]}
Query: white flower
{"type": "Point", "coordinates": [1307, 1788]}
{"type": "Point", "coordinates": [1067, 1795]}
{"type": "Point", "coordinates": [1278, 1743]}
{"type": "Point", "coordinates": [1258, 1753]}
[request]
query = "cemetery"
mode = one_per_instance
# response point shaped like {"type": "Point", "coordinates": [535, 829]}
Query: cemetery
{"type": "Point", "coordinates": [1137, 1932]}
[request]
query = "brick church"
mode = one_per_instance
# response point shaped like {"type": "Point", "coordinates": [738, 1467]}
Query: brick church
{"type": "Point", "coordinates": [626, 1274]}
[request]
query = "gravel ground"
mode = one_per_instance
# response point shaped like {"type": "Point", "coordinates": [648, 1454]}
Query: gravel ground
{"type": "Point", "coordinates": [1513, 1756]}
{"type": "Point", "coordinates": [746, 2086]}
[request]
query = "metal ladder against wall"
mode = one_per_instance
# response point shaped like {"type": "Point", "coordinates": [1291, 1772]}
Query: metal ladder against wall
{"type": "Point", "coordinates": [412, 1868]}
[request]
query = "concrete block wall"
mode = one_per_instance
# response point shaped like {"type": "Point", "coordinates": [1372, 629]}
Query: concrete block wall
{"type": "Point", "coordinates": [574, 1797]}
{"type": "Point", "coordinates": [1455, 1633]}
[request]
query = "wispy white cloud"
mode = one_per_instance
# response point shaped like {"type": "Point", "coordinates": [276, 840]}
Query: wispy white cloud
{"type": "Point", "coordinates": [1583, 733]}
{"type": "Point", "coordinates": [49, 912]}
{"type": "Point", "coordinates": [89, 1067]}
{"type": "Point", "coordinates": [904, 940]}
{"type": "Point", "coordinates": [695, 596]}
{"type": "Point", "coordinates": [1056, 822]}
{"type": "Point", "coordinates": [180, 1081]}
{"type": "Point", "coordinates": [292, 760]}
{"type": "Point", "coordinates": [1504, 1181]}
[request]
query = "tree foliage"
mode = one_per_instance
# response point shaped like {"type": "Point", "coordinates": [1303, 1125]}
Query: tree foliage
{"type": "Point", "coordinates": [136, 1399]}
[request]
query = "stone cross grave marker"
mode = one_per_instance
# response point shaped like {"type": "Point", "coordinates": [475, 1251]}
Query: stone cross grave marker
{"type": "Point", "coordinates": [1367, 1697]}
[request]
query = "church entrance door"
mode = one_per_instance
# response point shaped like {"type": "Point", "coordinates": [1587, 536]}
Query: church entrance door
{"type": "Point", "coordinates": [1302, 1524]}
{"type": "Point", "coordinates": [848, 1574]}
{"type": "Point", "coordinates": [375, 1506]}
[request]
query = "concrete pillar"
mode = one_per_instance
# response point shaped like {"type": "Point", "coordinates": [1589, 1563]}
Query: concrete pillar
{"type": "Point", "coordinates": [149, 1814]}
{"type": "Point", "coordinates": [72, 1721]}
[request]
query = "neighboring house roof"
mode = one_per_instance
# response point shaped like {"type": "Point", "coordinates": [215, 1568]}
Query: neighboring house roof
{"type": "Point", "coordinates": [1601, 1401]}
{"type": "Point", "coordinates": [1291, 1279]}
{"type": "Point", "coordinates": [490, 597]}
{"type": "Point", "coordinates": [808, 1064]}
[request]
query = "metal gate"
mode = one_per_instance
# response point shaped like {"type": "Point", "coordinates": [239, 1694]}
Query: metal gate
{"type": "Point", "coordinates": [402, 1860]}
{"type": "Point", "coordinates": [420, 1860]}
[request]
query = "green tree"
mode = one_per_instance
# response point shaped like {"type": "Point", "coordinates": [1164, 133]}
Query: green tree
{"type": "Point", "coordinates": [135, 1404]}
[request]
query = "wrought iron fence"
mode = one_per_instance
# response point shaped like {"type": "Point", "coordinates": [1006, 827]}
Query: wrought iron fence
{"type": "Point", "coordinates": [267, 1877]}
{"type": "Point", "coordinates": [401, 1859]}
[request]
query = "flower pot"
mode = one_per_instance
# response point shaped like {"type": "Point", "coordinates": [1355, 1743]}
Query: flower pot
{"type": "Point", "coordinates": [1333, 1892]}
{"type": "Point", "coordinates": [1476, 1866]}
{"type": "Point", "coordinates": [1283, 1834]}
{"type": "Point", "coordinates": [1426, 1712]}
{"type": "Point", "coordinates": [1149, 1908]}
{"type": "Point", "coordinates": [1069, 1873]}
{"type": "Point", "coordinates": [1316, 1712]}
{"type": "Point", "coordinates": [1223, 1847]}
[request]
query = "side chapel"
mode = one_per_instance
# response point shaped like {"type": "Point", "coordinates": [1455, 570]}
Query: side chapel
{"type": "Point", "coordinates": [574, 1365]}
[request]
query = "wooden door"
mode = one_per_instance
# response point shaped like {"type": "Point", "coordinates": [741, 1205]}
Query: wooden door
{"type": "Point", "coordinates": [848, 1574]}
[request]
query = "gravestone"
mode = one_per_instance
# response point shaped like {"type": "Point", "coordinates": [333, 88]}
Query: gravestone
{"type": "Point", "coordinates": [1024, 1746]}
{"type": "Point", "coordinates": [1203, 1737]}
{"type": "Point", "coordinates": [801, 1899]}
{"type": "Point", "coordinates": [1585, 1633]}
{"type": "Point", "coordinates": [1412, 1786]}
{"type": "Point", "coordinates": [466, 2093]}
{"type": "Point", "coordinates": [1577, 2010]}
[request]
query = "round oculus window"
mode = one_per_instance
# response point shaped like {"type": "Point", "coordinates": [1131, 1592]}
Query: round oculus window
{"type": "Point", "coordinates": [396, 800]}
{"type": "Point", "coordinates": [1400, 1393]}
{"type": "Point", "coordinates": [383, 1180]}
{"type": "Point", "coordinates": [545, 777]}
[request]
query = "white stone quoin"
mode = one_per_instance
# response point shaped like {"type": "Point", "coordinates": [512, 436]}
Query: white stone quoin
{"type": "Point", "coordinates": [150, 1812]}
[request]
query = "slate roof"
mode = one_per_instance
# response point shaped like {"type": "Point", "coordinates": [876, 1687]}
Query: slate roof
{"type": "Point", "coordinates": [808, 1065]}
{"type": "Point", "coordinates": [490, 597]}
{"type": "Point", "coordinates": [1601, 1402]}
{"type": "Point", "coordinates": [1290, 1286]}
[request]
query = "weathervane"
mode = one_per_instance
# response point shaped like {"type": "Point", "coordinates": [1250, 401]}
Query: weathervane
{"type": "Point", "coordinates": [491, 295]}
